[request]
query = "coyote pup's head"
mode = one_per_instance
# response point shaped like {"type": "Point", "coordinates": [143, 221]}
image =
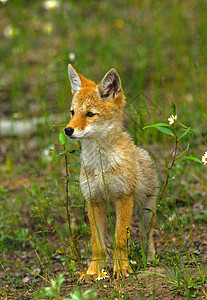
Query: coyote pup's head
{"type": "Point", "coordinates": [96, 109]}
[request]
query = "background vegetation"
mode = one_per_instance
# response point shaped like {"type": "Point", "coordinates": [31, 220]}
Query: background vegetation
{"type": "Point", "coordinates": [159, 49]}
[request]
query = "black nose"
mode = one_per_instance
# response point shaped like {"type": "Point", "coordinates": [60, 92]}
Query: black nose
{"type": "Point", "coordinates": [69, 131]}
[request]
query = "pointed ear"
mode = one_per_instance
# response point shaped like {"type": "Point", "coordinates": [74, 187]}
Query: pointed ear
{"type": "Point", "coordinates": [74, 79]}
{"type": "Point", "coordinates": [110, 85]}
{"type": "Point", "coordinates": [77, 80]}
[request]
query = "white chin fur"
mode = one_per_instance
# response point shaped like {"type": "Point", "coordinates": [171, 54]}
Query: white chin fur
{"type": "Point", "coordinates": [81, 134]}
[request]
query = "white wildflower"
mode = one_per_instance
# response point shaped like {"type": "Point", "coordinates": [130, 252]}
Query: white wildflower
{"type": "Point", "coordinates": [10, 31]}
{"type": "Point", "coordinates": [171, 218]}
{"type": "Point", "coordinates": [133, 262]}
{"type": "Point", "coordinates": [3, 1]}
{"type": "Point", "coordinates": [72, 56]}
{"type": "Point", "coordinates": [172, 119]}
{"type": "Point", "coordinates": [102, 275]}
{"type": "Point", "coordinates": [47, 154]}
{"type": "Point", "coordinates": [204, 158]}
{"type": "Point", "coordinates": [51, 4]}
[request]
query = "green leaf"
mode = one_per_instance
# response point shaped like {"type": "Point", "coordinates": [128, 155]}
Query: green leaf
{"type": "Point", "coordinates": [74, 165]}
{"type": "Point", "coordinates": [71, 183]}
{"type": "Point", "coordinates": [185, 132]}
{"type": "Point", "coordinates": [49, 221]}
{"type": "Point", "coordinates": [46, 292]}
{"type": "Point", "coordinates": [69, 140]}
{"type": "Point", "coordinates": [61, 153]}
{"type": "Point", "coordinates": [73, 265]}
{"type": "Point", "coordinates": [61, 279]}
{"type": "Point", "coordinates": [89, 294]}
{"type": "Point", "coordinates": [50, 292]}
{"type": "Point", "coordinates": [173, 107]}
{"type": "Point", "coordinates": [161, 127]}
{"type": "Point", "coordinates": [157, 125]}
{"type": "Point", "coordinates": [187, 148]}
{"type": "Point", "coordinates": [76, 295]}
{"type": "Point", "coordinates": [35, 216]}
{"type": "Point", "coordinates": [192, 158]}
{"type": "Point", "coordinates": [62, 138]}
{"type": "Point", "coordinates": [76, 153]}
{"type": "Point", "coordinates": [53, 284]}
{"type": "Point", "coordinates": [171, 175]}
{"type": "Point", "coordinates": [36, 208]}
{"type": "Point", "coordinates": [165, 130]}
{"type": "Point", "coordinates": [77, 206]}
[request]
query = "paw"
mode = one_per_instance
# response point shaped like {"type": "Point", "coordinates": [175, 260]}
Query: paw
{"type": "Point", "coordinates": [93, 272]}
{"type": "Point", "coordinates": [85, 278]}
{"type": "Point", "coordinates": [121, 269]}
{"type": "Point", "coordinates": [88, 276]}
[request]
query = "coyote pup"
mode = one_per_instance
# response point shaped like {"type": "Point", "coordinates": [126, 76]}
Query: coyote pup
{"type": "Point", "coordinates": [115, 173]}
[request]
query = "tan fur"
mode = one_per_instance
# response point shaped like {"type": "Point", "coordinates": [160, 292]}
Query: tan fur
{"type": "Point", "coordinates": [115, 175]}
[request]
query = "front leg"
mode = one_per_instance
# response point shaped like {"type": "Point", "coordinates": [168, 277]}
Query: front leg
{"type": "Point", "coordinates": [124, 209]}
{"type": "Point", "coordinates": [97, 217]}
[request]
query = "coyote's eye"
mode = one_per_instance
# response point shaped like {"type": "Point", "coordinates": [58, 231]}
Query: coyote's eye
{"type": "Point", "coordinates": [72, 112]}
{"type": "Point", "coordinates": [90, 114]}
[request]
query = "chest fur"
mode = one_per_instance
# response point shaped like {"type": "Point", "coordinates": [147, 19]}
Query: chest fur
{"type": "Point", "coordinates": [101, 174]}
{"type": "Point", "coordinates": [100, 158]}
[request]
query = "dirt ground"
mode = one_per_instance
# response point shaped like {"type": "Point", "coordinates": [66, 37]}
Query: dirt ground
{"type": "Point", "coordinates": [154, 282]}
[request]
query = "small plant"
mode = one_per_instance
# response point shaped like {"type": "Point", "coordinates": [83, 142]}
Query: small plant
{"type": "Point", "coordinates": [182, 281]}
{"type": "Point", "coordinates": [179, 276]}
{"type": "Point", "coordinates": [11, 233]}
{"type": "Point", "coordinates": [54, 292]}
{"type": "Point", "coordinates": [176, 131]}
{"type": "Point", "coordinates": [88, 294]}
{"type": "Point", "coordinates": [67, 204]}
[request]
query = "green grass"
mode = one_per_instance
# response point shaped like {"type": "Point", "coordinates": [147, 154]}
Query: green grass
{"type": "Point", "coordinates": [159, 50]}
